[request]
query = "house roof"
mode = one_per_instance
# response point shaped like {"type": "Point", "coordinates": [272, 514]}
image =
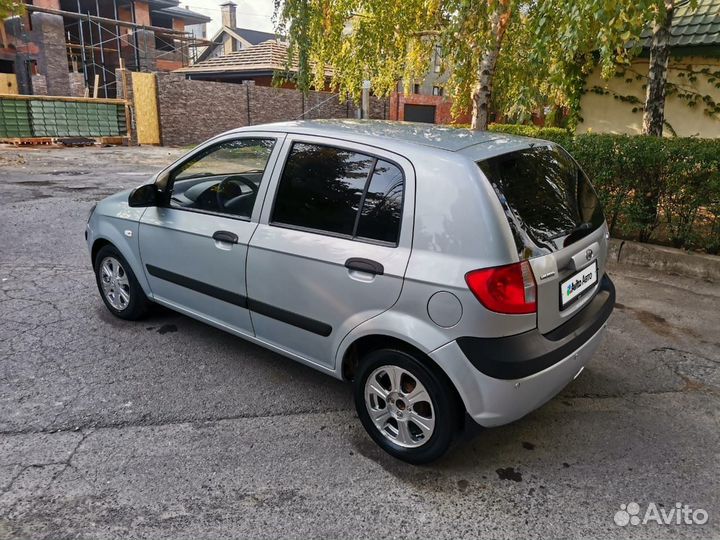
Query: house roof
{"type": "Point", "coordinates": [264, 58]}
{"type": "Point", "coordinates": [692, 27]}
{"type": "Point", "coordinates": [253, 37]}
{"type": "Point", "coordinates": [158, 4]}
{"type": "Point", "coordinates": [190, 17]}
{"type": "Point", "coordinates": [268, 56]}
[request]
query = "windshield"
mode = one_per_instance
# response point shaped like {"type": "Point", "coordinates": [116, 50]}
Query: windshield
{"type": "Point", "coordinates": [548, 200]}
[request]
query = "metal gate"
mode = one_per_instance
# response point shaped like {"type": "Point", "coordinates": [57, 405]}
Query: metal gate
{"type": "Point", "coordinates": [420, 113]}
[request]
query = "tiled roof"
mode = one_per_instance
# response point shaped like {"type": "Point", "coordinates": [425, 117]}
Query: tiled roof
{"type": "Point", "coordinates": [267, 56]}
{"type": "Point", "coordinates": [253, 36]}
{"type": "Point", "coordinates": [691, 27]}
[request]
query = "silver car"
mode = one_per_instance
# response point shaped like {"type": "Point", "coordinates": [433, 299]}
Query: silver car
{"type": "Point", "coordinates": [449, 274]}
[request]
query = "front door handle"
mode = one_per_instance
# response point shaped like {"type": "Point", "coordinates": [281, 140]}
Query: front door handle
{"type": "Point", "coordinates": [225, 236]}
{"type": "Point", "coordinates": [365, 265]}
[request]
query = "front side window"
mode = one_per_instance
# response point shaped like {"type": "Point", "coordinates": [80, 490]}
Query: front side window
{"type": "Point", "coordinates": [340, 192]}
{"type": "Point", "coordinates": [223, 179]}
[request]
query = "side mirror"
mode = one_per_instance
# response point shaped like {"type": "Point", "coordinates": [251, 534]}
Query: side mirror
{"type": "Point", "coordinates": [143, 196]}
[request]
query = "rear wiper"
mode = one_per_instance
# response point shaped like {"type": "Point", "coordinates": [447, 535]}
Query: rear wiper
{"type": "Point", "coordinates": [578, 232]}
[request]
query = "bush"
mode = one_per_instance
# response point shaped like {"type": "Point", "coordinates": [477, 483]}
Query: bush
{"type": "Point", "coordinates": [558, 135]}
{"type": "Point", "coordinates": [653, 190]}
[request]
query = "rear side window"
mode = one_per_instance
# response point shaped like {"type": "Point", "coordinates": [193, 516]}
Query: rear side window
{"type": "Point", "coordinates": [341, 192]}
{"type": "Point", "coordinates": [382, 207]}
{"type": "Point", "coordinates": [548, 200]}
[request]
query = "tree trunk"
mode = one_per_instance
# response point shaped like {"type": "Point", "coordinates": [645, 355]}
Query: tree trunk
{"type": "Point", "coordinates": [482, 91]}
{"type": "Point", "coordinates": [650, 189]}
{"type": "Point", "coordinates": [654, 112]}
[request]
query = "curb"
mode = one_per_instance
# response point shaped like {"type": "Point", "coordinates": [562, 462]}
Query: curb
{"type": "Point", "coordinates": [665, 259]}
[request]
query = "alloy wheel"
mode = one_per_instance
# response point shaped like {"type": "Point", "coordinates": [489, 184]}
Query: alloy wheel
{"type": "Point", "coordinates": [115, 283]}
{"type": "Point", "coordinates": [400, 406]}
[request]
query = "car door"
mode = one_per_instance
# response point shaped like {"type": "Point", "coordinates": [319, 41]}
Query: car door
{"type": "Point", "coordinates": [194, 245]}
{"type": "Point", "coordinates": [332, 244]}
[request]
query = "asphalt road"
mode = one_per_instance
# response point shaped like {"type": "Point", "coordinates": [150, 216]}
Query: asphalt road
{"type": "Point", "coordinates": [168, 428]}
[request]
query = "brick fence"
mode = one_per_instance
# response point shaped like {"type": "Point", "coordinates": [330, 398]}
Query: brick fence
{"type": "Point", "coordinates": [193, 111]}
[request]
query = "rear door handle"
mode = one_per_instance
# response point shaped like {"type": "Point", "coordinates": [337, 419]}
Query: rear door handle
{"type": "Point", "coordinates": [225, 236]}
{"type": "Point", "coordinates": [365, 265]}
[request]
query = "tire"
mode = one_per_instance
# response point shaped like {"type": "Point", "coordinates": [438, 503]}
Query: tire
{"type": "Point", "coordinates": [405, 405]}
{"type": "Point", "coordinates": [122, 294]}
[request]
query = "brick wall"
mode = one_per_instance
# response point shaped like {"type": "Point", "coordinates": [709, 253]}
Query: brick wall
{"type": "Point", "coordinates": [268, 104]}
{"type": "Point", "coordinates": [77, 84]}
{"type": "Point", "coordinates": [52, 59]}
{"type": "Point", "coordinates": [39, 86]}
{"type": "Point", "coordinates": [442, 106]}
{"type": "Point", "coordinates": [193, 111]}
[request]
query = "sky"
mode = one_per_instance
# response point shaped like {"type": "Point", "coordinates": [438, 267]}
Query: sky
{"type": "Point", "coordinates": [253, 14]}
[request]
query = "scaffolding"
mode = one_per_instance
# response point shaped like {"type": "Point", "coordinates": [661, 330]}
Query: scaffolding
{"type": "Point", "coordinates": [97, 46]}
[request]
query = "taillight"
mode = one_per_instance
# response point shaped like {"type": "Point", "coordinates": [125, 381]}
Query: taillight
{"type": "Point", "coordinates": [505, 289]}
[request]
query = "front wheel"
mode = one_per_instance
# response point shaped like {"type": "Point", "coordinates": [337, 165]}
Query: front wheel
{"type": "Point", "coordinates": [118, 286]}
{"type": "Point", "coordinates": [407, 409]}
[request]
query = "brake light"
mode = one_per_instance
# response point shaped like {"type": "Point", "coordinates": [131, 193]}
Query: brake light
{"type": "Point", "coordinates": [505, 289]}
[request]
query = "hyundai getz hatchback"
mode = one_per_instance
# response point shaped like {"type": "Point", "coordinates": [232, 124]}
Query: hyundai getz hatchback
{"type": "Point", "coordinates": [448, 274]}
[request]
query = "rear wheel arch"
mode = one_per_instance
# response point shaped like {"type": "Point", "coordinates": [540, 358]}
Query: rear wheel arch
{"type": "Point", "coordinates": [364, 345]}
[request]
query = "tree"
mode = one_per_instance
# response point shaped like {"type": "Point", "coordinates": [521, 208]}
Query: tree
{"type": "Point", "coordinates": [9, 7]}
{"type": "Point", "coordinates": [654, 111]}
{"type": "Point", "coordinates": [482, 92]}
{"type": "Point", "coordinates": [552, 43]}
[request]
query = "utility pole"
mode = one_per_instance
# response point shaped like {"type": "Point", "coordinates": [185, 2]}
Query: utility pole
{"type": "Point", "coordinates": [366, 100]}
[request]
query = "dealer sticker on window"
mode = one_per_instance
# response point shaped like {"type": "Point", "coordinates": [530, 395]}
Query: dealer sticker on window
{"type": "Point", "coordinates": [576, 285]}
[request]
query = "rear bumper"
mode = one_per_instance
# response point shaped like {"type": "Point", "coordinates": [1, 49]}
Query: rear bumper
{"type": "Point", "coordinates": [518, 374]}
{"type": "Point", "coordinates": [522, 355]}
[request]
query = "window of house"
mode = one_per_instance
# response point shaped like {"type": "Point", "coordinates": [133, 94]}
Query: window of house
{"type": "Point", "coordinates": [416, 88]}
{"type": "Point", "coordinates": [7, 66]}
{"type": "Point", "coordinates": [223, 179]}
{"type": "Point", "coordinates": [437, 91]}
{"type": "Point", "coordinates": [341, 192]}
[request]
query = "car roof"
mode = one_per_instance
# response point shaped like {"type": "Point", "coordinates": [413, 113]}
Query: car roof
{"type": "Point", "coordinates": [413, 133]}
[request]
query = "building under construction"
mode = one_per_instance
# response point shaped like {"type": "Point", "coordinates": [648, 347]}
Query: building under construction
{"type": "Point", "coordinates": [74, 47]}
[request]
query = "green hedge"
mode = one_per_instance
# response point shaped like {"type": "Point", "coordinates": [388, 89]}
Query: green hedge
{"type": "Point", "coordinates": [654, 190]}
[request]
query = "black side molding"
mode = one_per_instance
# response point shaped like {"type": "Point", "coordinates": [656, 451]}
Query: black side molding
{"type": "Point", "coordinates": [365, 265]}
{"type": "Point", "coordinates": [287, 317]}
{"type": "Point", "coordinates": [518, 356]}
{"type": "Point", "coordinates": [199, 286]}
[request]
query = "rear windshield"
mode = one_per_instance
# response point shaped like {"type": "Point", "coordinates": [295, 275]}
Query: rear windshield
{"type": "Point", "coordinates": [548, 200]}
